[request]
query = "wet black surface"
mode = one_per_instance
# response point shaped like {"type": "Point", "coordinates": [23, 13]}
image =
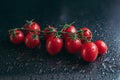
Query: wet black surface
{"type": "Point", "coordinates": [20, 63]}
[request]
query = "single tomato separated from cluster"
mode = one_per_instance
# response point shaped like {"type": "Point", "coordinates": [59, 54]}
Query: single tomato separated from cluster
{"type": "Point", "coordinates": [102, 47]}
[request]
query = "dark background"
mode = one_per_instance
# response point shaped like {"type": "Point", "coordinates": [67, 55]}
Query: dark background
{"type": "Point", "coordinates": [20, 63]}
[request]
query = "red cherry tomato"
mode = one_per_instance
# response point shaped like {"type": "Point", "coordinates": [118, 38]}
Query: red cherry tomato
{"type": "Point", "coordinates": [73, 45]}
{"type": "Point", "coordinates": [32, 26]}
{"type": "Point", "coordinates": [49, 29]}
{"type": "Point", "coordinates": [32, 40]}
{"type": "Point", "coordinates": [102, 47]}
{"type": "Point", "coordinates": [54, 45]}
{"type": "Point", "coordinates": [69, 29]}
{"type": "Point", "coordinates": [89, 51]}
{"type": "Point", "coordinates": [17, 37]}
{"type": "Point", "coordinates": [87, 33]}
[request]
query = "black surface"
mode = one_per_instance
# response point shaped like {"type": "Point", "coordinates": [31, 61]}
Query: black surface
{"type": "Point", "coordinates": [20, 63]}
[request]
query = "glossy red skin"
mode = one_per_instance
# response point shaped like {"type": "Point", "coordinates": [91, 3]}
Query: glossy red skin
{"type": "Point", "coordinates": [47, 35]}
{"type": "Point", "coordinates": [19, 37]}
{"type": "Point", "coordinates": [89, 52]}
{"type": "Point", "coordinates": [33, 26]}
{"type": "Point", "coordinates": [54, 45]}
{"type": "Point", "coordinates": [87, 34]}
{"type": "Point", "coordinates": [30, 42]}
{"type": "Point", "coordinates": [70, 29]}
{"type": "Point", "coordinates": [102, 47]}
{"type": "Point", "coordinates": [73, 46]}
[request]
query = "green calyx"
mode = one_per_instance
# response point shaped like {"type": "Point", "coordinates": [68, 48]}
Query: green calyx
{"type": "Point", "coordinates": [50, 29]}
{"type": "Point", "coordinates": [57, 35]}
{"type": "Point", "coordinates": [65, 26]}
{"type": "Point", "coordinates": [30, 22]}
{"type": "Point", "coordinates": [34, 36]}
{"type": "Point", "coordinates": [22, 28]}
{"type": "Point", "coordinates": [14, 33]}
{"type": "Point", "coordinates": [81, 32]}
{"type": "Point", "coordinates": [74, 36]}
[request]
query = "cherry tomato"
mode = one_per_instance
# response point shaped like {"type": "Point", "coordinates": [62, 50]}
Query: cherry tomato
{"type": "Point", "coordinates": [17, 37]}
{"type": "Point", "coordinates": [49, 29]}
{"type": "Point", "coordinates": [89, 51]}
{"type": "Point", "coordinates": [32, 26]}
{"type": "Point", "coordinates": [73, 45]}
{"type": "Point", "coordinates": [87, 33]}
{"type": "Point", "coordinates": [32, 40]}
{"type": "Point", "coordinates": [69, 29]}
{"type": "Point", "coordinates": [102, 47]}
{"type": "Point", "coordinates": [54, 45]}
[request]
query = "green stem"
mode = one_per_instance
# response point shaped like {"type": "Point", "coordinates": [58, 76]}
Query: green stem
{"type": "Point", "coordinates": [36, 30]}
{"type": "Point", "coordinates": [67, 25]}
{"type": "Point", "coordinates": [83, 37]}
{"type": "Point", "coordinates": [58, 32]}
{"type": "Point", "coordinates": [30, 22]}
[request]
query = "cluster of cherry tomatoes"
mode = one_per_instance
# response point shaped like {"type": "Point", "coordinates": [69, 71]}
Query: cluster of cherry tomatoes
{"type": "Point", "coordinates": [74, 40]}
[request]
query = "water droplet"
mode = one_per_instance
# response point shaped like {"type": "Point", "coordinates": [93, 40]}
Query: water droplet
{"type": "Point", "coordinates": [107, 59]}
{"type": "Point", "coordinates": [98, 34]}
{"type": "Point", "coordinates": [67, 73]}
{"type": "Point", "coordinates": [26, 64]}
{"type": "Point", "coordinates": [82, 71]}
{"type": "Point", "coordinates": [14, 63]}
{"type": "Point", "coordinates": [8, 55]}
{"type": "Point", "coordinates": [100, 28]}
{"type": "Point", "coordinates": [104, 66]}
{"type": "Point", "coordinates": [41, 59]}
{"type": "Point", "coordinates": [7, 63]}
{"type": "Point", "coordinates": [103, 72]}
{"type": "Point", "coordinates": [52, 69]}
{"type": "Point", "coordinates": [90, 79]}
{"type": "Point", "coordinates": [58, 62]}
{"type": "Point", "coordinates": [35, 65]}
{"type": "Point", "coordinates": [110, 67]}
{"type": "Point", "coordinates": [113, 59]}
{"type": "Point", "coordinates": [95, 31]}
{"type": "Point", "coordinates": [9, 68]}
{"type": "Point", "coordinates": [73, 67]}
{"type": "Point", "coordinates": [85, 76]}
{"type": "Point", "coordinates": [65, 69]}
{"type": "Point", "coordinates": [119, 40]}
{"type": "Point", "coordinates": [40, 71]}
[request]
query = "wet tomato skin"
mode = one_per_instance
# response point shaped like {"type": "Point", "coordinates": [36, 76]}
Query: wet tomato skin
{"type": "Point", "coordinates": [102, 47]}
{"type": "Point", "coordinates": [89, 52]}
{"type": "Point", "coordinates": [87, 33]}
{"type": "Point", "coordinates": [18, 37]}
{"type": "Point", "coordinates": [32, 26]}
{"type": "Point", "coordinates": [73, 45]}
{"type": "Point", "coordinates": [48, 29]}
{"type": "Point", "coordinates": [32, 42]}
{"type": "Point", "coordinates": [70, 29]}
{"type": "Point", "coordinates": [54, 45]}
